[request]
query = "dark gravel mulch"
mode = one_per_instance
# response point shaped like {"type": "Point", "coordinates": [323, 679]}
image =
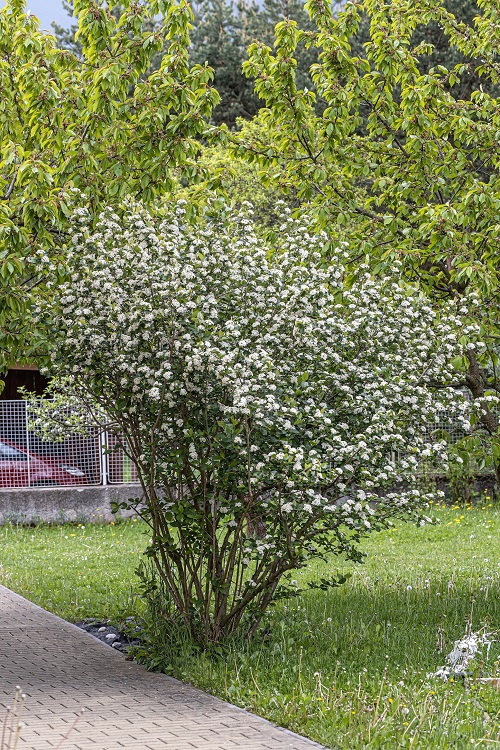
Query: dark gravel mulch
{"type": "Point", "coordinates": [117, 639]}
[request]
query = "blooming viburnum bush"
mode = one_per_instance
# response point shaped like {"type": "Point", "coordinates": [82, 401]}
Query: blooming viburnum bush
{"type": "Point", "coordinates": [256, 390]}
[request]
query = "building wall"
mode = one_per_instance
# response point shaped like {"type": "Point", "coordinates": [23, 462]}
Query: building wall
{"type": "Point", "coordinates": [28, 377]}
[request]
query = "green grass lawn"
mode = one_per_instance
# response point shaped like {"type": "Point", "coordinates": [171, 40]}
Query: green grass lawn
{"type": "Point", "coordinates": [74, 571]}
{"type": "Point", "coordinates": [348, 667]}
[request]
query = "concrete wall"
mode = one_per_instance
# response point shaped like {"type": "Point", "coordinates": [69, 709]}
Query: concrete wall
{"type": "Point", "coordinates": [59, 504]}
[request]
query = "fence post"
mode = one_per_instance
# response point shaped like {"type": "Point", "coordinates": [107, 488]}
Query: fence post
{"type": "Point", "coordinates": [26, 419]}
{"type": "Point", "coordinates": [103, 444]}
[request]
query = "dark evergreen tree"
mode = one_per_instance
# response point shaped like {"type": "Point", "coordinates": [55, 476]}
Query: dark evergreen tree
{"type": "Point", "coordinates": [221, 34]}
{"type": "Point", "coordinates": [66, 36]}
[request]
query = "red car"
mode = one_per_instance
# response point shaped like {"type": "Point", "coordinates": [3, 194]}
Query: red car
{"type": "Point", "coordinates": [22, 468]}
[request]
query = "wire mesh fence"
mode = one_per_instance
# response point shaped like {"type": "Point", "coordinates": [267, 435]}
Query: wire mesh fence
{"type": "Point", "coordinates": [446, 426]}
{"type": "Point", "coordinates": [27, 460]}
{"type": "Point", "coordinates": [479, 462]}
{"type": "Point", "coordinates": [120, 469]}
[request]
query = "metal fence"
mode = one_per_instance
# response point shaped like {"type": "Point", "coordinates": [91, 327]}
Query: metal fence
{"type": "Point", "coordinates": [94, 459]}
{"type": "Point", "coordinates": [119, 467]}
{"type": "Point", "coordinates": [28, 461]}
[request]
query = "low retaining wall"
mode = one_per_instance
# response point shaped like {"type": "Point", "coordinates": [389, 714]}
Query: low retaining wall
{"type": "Point", "coordinates": [60, 504]}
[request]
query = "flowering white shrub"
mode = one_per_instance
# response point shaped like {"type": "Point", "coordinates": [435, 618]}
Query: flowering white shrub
{"type": "Point", "coordinates": [250, 383]}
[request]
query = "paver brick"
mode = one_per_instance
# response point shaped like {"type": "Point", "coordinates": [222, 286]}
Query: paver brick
{"type": "Point", "coordinates": [63, 669]}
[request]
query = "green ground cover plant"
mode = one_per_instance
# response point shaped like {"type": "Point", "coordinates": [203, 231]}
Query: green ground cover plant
{"type": "Point", "coordinates": [347, 667]}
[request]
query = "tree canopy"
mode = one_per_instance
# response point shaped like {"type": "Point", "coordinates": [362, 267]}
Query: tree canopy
{"type": "Point", "coordinates": [401, 158]}
{"type": "Point", "coordinates": [224, 29]}
{"type": "Point", "coordinates": [421, 176]}
{"type": "Point", "coordinates": [95, 121]}
{"type": "Point", "coordinates": [222, 32]}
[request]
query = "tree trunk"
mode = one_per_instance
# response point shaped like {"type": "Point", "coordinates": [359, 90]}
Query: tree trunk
{"type": "Point", "coordinates": [488, 419]}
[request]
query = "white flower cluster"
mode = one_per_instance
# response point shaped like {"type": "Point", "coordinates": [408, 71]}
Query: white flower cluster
{"type": "Point", "coordinates": [255, 378]}
{"type": "Point", "coordinates": [464, 651]}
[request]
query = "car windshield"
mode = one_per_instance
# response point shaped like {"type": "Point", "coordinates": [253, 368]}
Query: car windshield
{"type": "Point", "coordinates": [8, 453]}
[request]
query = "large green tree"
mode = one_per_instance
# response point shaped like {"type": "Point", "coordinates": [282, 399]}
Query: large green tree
{"type": "Point", "coordinates": [222, 32]}
{"type": "Point", "coordinates": [442, 52]}
{"type": "Point", "coordinates": [90, 120]}
{"type": "Point", "coordinates": [401, 155]}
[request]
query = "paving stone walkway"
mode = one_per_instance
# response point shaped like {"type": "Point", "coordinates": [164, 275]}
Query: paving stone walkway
{"type": "Point", "coordinates": [62, 669]}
